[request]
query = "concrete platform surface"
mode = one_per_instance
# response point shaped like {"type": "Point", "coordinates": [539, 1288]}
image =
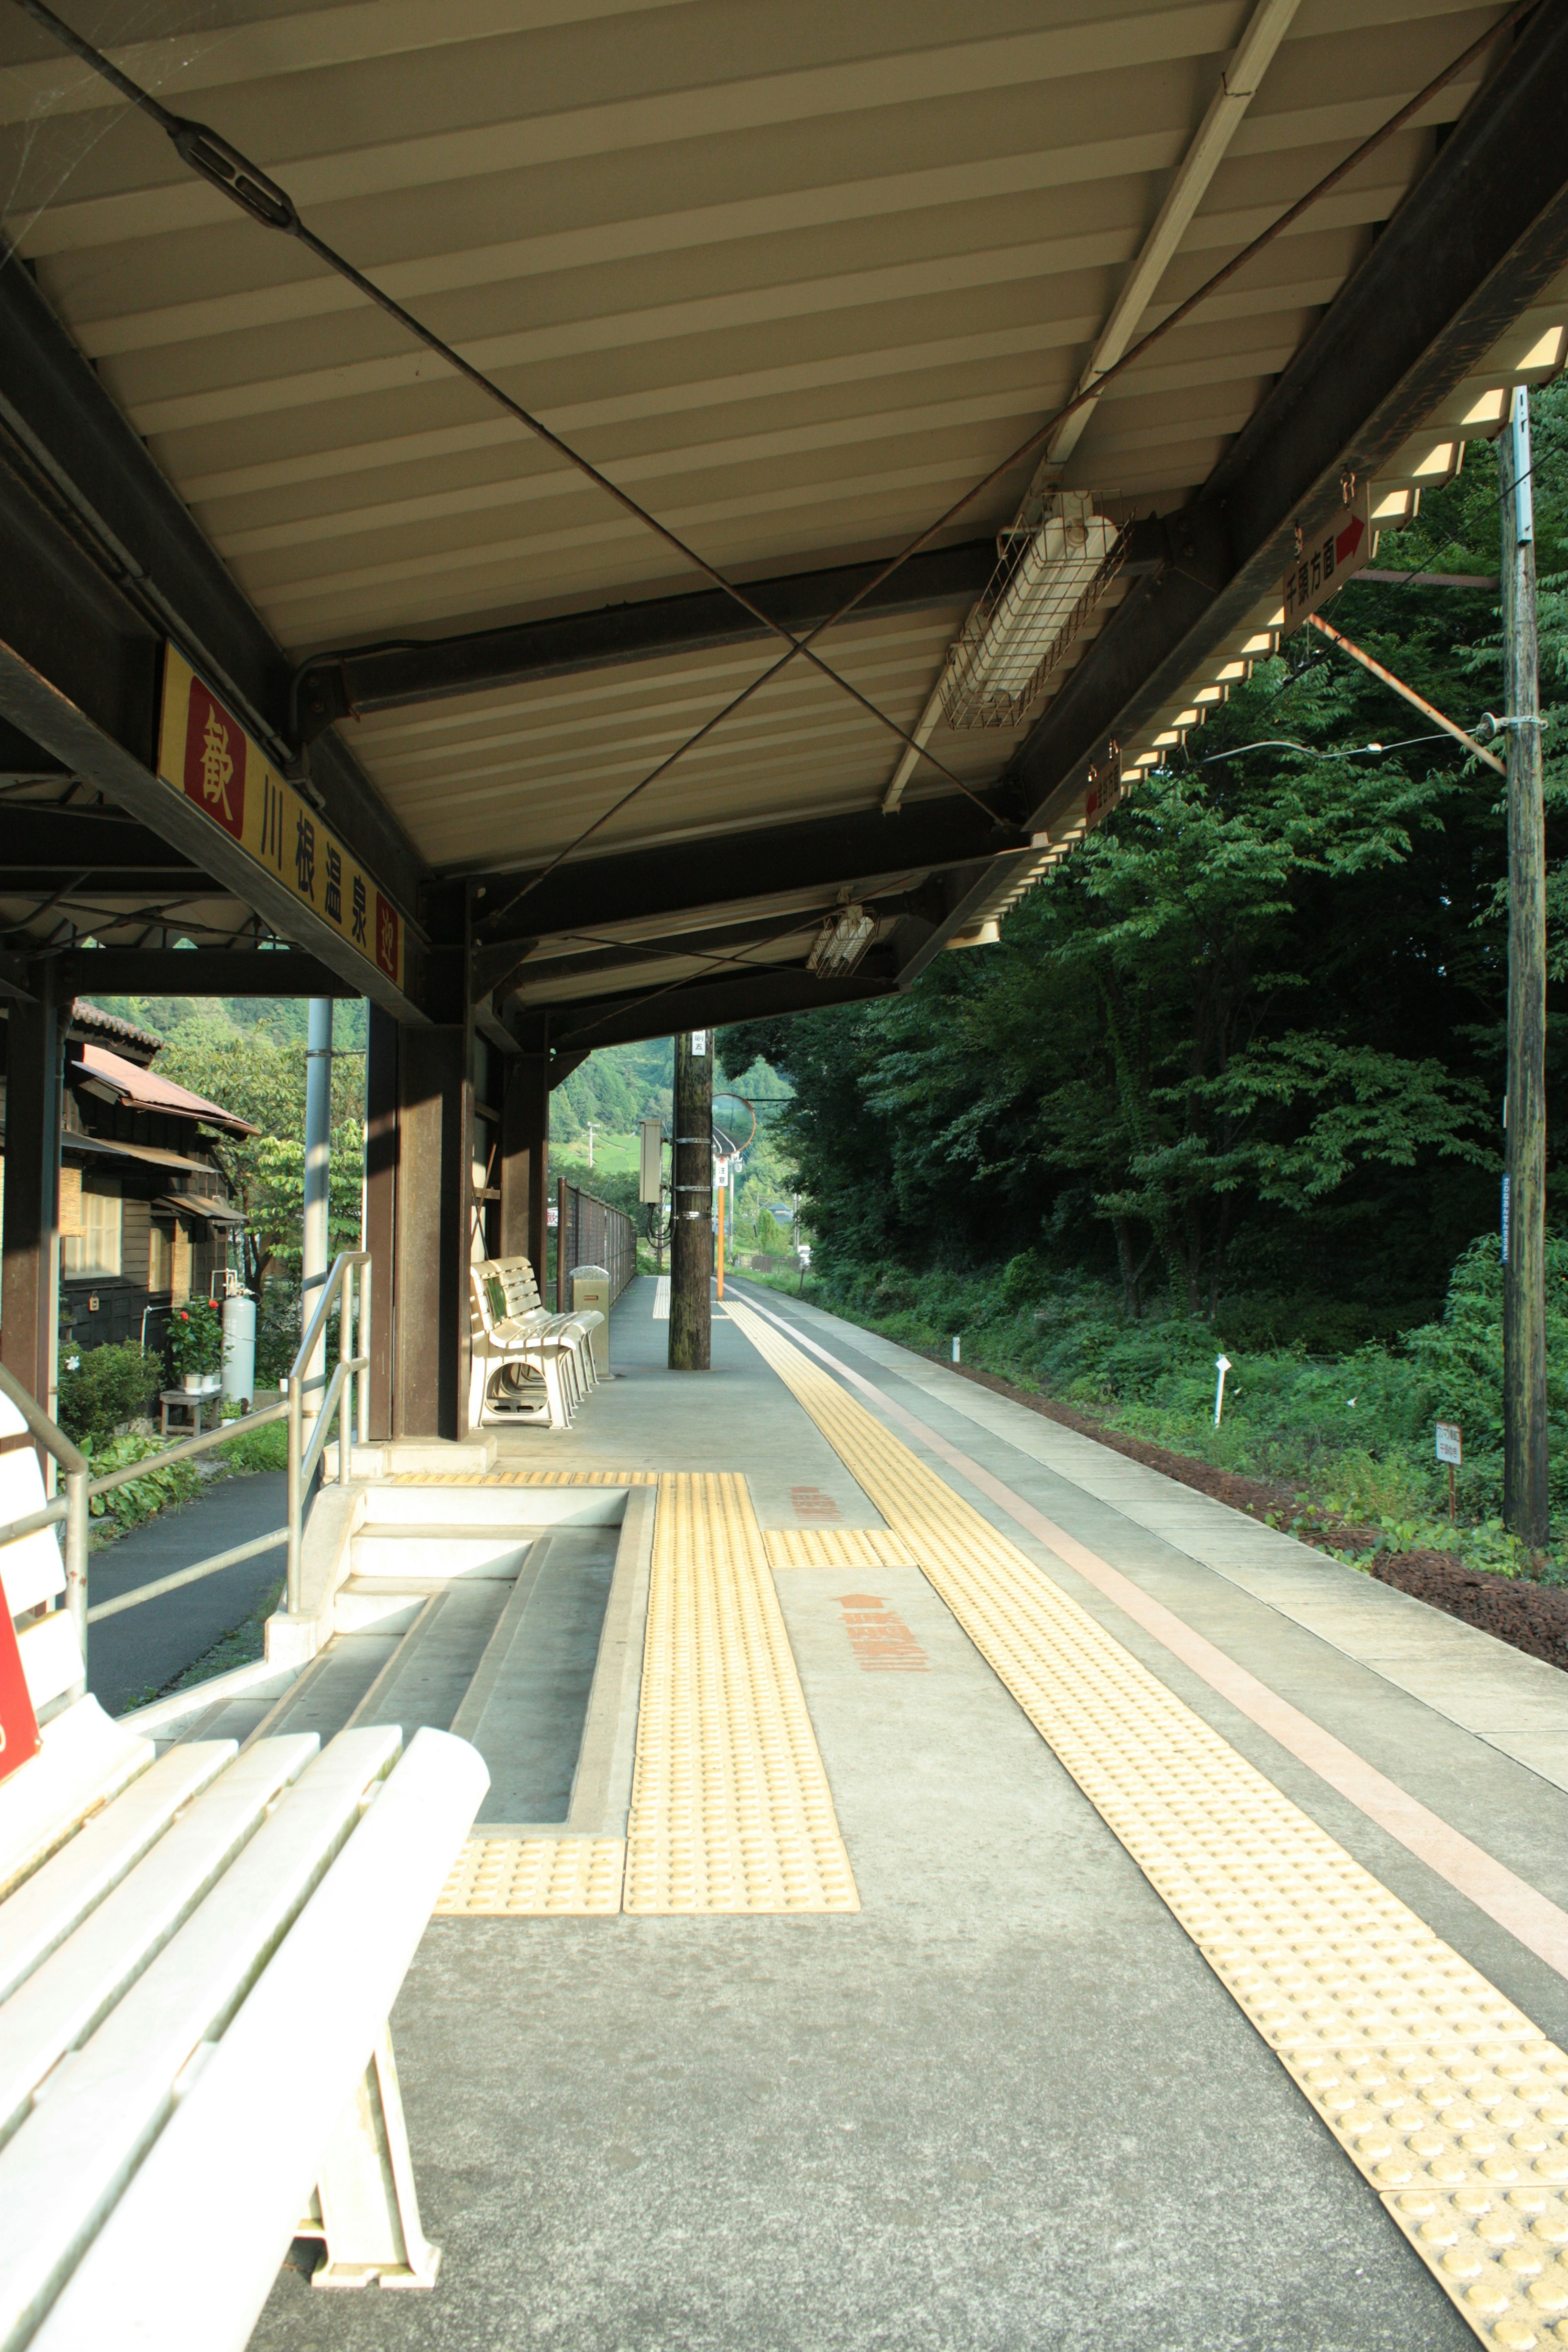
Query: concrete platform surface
{"type": "Point", "coordinates": [1006, 2104]}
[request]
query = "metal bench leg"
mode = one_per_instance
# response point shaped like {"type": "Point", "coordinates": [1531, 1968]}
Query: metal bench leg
{"type": "Point", "coordinates": [364, 2207]}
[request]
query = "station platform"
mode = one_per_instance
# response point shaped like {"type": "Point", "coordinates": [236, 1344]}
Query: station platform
{"type": "Point", "coordinates": [946, 1885]}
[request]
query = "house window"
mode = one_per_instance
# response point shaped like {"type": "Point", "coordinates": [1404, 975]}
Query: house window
{"type": "Point", "coordinates": [159, 1259]}
{"type": "Point", "coordinates": [96, 1249]}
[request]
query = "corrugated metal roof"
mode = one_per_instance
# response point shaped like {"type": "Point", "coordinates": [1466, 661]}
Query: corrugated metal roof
{"type": "Point", "coordinates": [147, 1091]}
{"type": "Point", "coordinates": [794, 275]}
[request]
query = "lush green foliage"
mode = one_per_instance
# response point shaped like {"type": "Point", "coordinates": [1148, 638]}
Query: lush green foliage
{"type": "Point", "coordinates": [1237, 1065]}
{"type": "Point", "coordinates": [195, 1336]}
{"type": "Point", "coordinates": [223, 1049]}
{"type": "Point", "coordinates": [1354, 1430]}
{"type": "Point", "coordinates": [100, 1388]}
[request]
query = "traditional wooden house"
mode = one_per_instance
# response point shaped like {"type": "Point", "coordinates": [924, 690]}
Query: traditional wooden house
{"type": "Point", "coordinates": [145, 1216]}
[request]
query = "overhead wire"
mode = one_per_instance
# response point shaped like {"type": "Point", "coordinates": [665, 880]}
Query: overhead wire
{"type": "Point", "coordinates": [223, 167]}
{"type": "Point", "coordinates": [1036, 440]}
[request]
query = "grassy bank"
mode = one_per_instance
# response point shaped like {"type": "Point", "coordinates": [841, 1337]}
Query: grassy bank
{"type": "Point", "coordinates": [1348, 1434]}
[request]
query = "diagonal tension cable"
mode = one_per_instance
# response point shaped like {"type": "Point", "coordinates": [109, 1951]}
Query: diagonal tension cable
{"type": "Point", "coordinates": [221, 165]}
{"type": "Point", "coordinates": [212, 156]}
{"type": "Point", "coordinates": [1036, 440]}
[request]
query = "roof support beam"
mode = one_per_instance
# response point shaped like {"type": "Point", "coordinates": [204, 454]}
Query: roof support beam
{"type": "Point", "coordinates": [33, 703]}
{"type": "Point", "coordinates": [126, 565]}
{"type": "Point", "coordinates": [706, 1006]}
{"type": "Point", "coordinates": [828, 853]}
{"type": "Point", "coordinates": [336, 686]}
{"type": "Point", "coordinates": [1269, 23]}
{"type": "Point", "coordinates": [1473, 244]}
{"type": "Point", "coordinates": [195, 972]}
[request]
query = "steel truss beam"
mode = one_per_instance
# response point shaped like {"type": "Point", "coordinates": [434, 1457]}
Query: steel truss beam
{"type": "Point", "coordinates": [103, 560]}
{"type": "Point", "coordinates": [1472, 245]}
{"type": "Point", "coordinates": [365, 678]}
{"type": "Point", "coordinates": [195, 972]}
{"type": "Point", "coordinates": [583, 1028]}
{"type": "Point", "coordinates": [692, 879]}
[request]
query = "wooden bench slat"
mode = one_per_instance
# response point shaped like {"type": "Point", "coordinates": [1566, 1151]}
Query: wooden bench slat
{"type": "Point", "coordinates": [228, 2179]}
{"type": "Point", "coordinates": [86, 1760]}
{"type": "Point", "coordinates": [61, 2002]}
{"type": "Point", "coordinates": [32, 1569]}
{"type": "Point", "coordinates": [51, 1657]}
{"type": "Point", "coordinates": [64, 2168]}
{"type": "Point", "coordinates": [57, 1897]}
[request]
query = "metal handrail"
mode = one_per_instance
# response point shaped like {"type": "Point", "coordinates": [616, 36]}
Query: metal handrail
{"type": "Point", "coordinates": [350, 1405]}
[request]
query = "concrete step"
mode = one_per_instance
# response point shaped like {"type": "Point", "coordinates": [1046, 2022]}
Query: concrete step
{"type": "Point", "coordinates": [436, 1555]}
{"type": "Point", "coordinates": [496, 1507]}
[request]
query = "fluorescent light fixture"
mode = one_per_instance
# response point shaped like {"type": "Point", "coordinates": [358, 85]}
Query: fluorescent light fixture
{"type": "Point", "coordinates": [1056, 562]}
{"type": "Point", "coordinates": [840, 943]}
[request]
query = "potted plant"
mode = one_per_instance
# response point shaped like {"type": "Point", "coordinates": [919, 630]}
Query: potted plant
{"type": "Point", "coordinates": [195, 1344]}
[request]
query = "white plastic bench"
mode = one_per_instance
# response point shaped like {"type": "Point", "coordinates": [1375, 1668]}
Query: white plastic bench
{"type": "Point", "coordinates": [198, 1957]}
{"type": "Point", "coordinates": [515, 1336]}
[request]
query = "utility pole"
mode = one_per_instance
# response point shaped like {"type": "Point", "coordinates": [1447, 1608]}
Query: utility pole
{"type": "Point", "coordinates": [1526, 1505]}
{"type": "Point", "coordinates": [590, 1143]}
{"type": "Point", "coordinates": [692, 1206]}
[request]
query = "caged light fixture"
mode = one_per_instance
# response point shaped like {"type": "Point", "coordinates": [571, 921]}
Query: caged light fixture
{"type": "Point", "coordinates": [1056, 560]}
{"type": "Point", "coordinates": [840, 943]}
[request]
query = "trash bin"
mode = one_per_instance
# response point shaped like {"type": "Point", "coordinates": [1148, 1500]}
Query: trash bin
{"type": "Point", "coordinates": [591, 1288]}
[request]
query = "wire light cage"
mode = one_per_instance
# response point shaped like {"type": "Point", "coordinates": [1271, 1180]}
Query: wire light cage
{"type": "Point", "coordinates": [1056, 560]}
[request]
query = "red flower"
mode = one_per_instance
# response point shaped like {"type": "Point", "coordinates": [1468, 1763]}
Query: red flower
{"type": "Point", "coordinates": [184, 1317]}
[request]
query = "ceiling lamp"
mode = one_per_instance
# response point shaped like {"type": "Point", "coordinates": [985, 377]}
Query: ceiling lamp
{"type": "Point", "coordinates": [840, 943]}
{"type": "Point", "coordinates": [1056, 562]}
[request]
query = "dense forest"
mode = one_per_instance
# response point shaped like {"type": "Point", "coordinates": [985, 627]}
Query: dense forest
{"type": "Point", "coordinates": [1236, 1068]}
{"type": "Point", "coordinates": [1248, 1040]}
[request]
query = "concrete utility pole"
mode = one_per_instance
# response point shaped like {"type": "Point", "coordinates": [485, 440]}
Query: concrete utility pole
{"type": "Point", "coordinates": [692, 1206]}
{"type": "Point", "coordinates": [316, 1240]}
{"type": "Point", "coordinates": [1525, 1499]}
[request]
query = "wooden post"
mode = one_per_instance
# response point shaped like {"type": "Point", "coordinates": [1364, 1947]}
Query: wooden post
{"type": "Point", "coordinates": [431, 1269]}
{"type": "Point", "coordinates": [381, 1210]}
{"type": "Point", "coordinates": [1526, 1507]}
{"type": "Point", "coordinates": [692, 1206]}
{"type": "Point", "coordinates": [34, 1047]}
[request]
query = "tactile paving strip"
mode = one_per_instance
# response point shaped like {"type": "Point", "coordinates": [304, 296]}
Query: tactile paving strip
{"type": "Point", "coordinates": [534, 1877]}
{"type": "Point", "coordinates": [1443, 2093]}
{"type": "Point", "coordinates": [838, 1548]}
{"type": "Point", "coordinates": [730, 1806]}
{"type": "Point", "coordinates": [523, 1478]}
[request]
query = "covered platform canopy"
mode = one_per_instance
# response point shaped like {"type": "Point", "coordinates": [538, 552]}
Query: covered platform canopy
{"type": "Point", "coordinates": [317, 660]}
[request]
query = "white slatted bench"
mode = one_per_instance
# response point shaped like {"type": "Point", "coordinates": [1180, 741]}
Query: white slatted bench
{"type": "Point", "coordinates": [517, 1338]}
{"type": "Point", "coordinates": [198, 1957]}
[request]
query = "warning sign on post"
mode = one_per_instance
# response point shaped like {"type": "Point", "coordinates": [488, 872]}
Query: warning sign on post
{"type": "Point", "coordinates": [1327, 560]}
{"type": "Point", "coordinates": [205, 753]}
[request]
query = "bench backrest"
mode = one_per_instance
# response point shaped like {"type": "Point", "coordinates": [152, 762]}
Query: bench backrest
{"type": "Point", "coordinates": [32, 1571]}
{"type": "Point", "coordinates": [85, 1757]}
{"type": "Point", "coordinates": [504, 1289]}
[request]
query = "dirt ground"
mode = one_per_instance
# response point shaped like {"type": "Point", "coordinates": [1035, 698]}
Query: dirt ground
{"type": "Point", "coordinates": [1531, 1617]}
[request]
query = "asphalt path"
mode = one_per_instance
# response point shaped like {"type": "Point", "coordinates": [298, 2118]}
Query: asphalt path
{"type": "Point", "coordinates": [133, 1655]}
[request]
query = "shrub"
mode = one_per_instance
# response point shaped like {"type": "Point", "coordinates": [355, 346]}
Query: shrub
{"type": "Point", "coordinates": [277, 1329]}
{"type": "Point", "coordinates": [104, 1388]}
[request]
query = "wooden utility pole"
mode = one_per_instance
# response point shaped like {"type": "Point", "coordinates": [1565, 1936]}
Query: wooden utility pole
{"type": "Point", "coordinates": [1526, 1505]}
{"type": "Point", "coordinates": [692, 1206]}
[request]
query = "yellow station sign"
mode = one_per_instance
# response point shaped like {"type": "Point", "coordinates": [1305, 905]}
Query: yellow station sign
{"type": "Point", "coordinates": [205, 753]}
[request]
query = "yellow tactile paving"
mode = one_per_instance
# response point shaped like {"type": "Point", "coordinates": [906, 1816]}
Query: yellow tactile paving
{"type": "Point", "coordinates": [523, 1478]}
{"type": "Point", "coordinates": [730, 1806]}
{"type": "Point", "coordinates": [1440, 2091]}
{"type": "Point", "coordinates": [837, 1547]}
{"type": "Point", "coordinates": [539, 1878]}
